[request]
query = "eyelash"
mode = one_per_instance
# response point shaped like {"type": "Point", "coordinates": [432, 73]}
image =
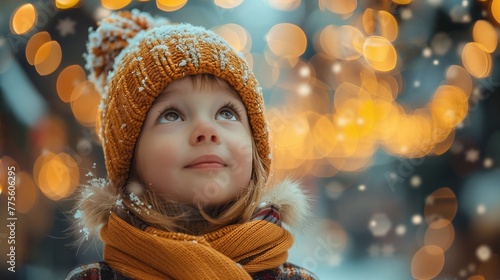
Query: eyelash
{"type": "Point", "coordinates": [229, 105]}
{"type": "Point", "coordinates": [234, 108]}
{"type": "Point", "coordinates": [166, 109]}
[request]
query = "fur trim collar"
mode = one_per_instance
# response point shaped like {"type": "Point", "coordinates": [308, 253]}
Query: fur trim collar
{"type": "Point", "coordinates": [293, 204]}
{"type": "Point", "coordinates": [97, 201]}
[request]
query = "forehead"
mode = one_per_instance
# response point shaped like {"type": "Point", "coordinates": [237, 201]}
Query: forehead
{"type": "Point", "coordinates": [203, 82]}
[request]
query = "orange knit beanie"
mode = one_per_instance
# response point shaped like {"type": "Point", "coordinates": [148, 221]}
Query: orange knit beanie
{"type": "Point", "coordinates": [132, 57]}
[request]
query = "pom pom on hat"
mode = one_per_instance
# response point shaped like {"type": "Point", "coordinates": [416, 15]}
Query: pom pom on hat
{"type": "Point", "coordinates": [110, 38]}
{"type": "Point", "coordinates": [149, 55]}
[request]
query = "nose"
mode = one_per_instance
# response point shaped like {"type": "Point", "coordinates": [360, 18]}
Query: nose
{"type": "Point", "coordinates": [204, 132]}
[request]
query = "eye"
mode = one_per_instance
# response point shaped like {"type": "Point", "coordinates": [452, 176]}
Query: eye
{"type": "Point", "coordinates": [169, 116]}
{"type": "Point", "coordinates": [230, 112]}
{"type": "Point", "coordinates": [226, 114]}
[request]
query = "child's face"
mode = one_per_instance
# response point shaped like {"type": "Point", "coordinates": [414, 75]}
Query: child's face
{"type": "Point", "coordinates": [195, 145]}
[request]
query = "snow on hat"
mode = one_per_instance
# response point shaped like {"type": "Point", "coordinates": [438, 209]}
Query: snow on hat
{"type": "Point", "coordinates": [132, 57]}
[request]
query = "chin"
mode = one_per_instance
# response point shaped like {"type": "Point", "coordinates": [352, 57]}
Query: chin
{"type": "Point", "coordinates": [218, 201]}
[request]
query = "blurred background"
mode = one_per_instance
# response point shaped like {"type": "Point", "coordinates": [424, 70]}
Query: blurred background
{"type": "Point", "coordinates": [388, 111]}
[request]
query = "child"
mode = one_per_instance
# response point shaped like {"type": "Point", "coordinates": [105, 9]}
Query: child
{"type": "Point", "coordinates": [187, 154]}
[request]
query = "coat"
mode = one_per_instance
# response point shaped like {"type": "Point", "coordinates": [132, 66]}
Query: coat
{"type": "Point", "coordinates": [100, 270]}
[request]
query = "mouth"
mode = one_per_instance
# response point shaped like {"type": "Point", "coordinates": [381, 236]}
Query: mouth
{"type": "Point", "coordinates": [207, 161]}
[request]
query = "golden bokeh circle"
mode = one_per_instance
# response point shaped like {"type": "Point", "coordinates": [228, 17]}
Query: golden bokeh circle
{"type": "Point", "coordinates": [69, 78]}
{"type": "Point", "coordinates": [23, 19]}
{"type": "Point", "coordinates": [287, 40]}
{"type": "Point", "coordinates": [226, 4]}
{"type": "Point", "coordinates": [476, 60]}
{"type": "Point", "coordinates": [115, 4]}
{"type": "Point", "coordinates": [485, 34]}
{"type": "Point", "coordinates": [47, 58]}
{"type": "Point", "coordinates": [34, 43]}
{"type": "Point", "coordinates": [379, 53]}
{"type": "Point", "coordinates": [427, 262]}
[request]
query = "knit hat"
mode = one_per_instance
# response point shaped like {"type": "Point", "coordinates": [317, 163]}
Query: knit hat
{"type": "Point", "coordinates": [132, 57]}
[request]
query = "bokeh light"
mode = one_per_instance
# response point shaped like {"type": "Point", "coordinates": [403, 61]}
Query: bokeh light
{"type": "Point", "coordinates": [379, 53]}
{"type": "Point", "coordinates": [402, 2]}
{"type": "Point", "coordinates": [495, 10]}
{"type": "Point", "coordinates": [69, 78]}
{"type": "Point", "coordinates": [476, 60]}
{"type": "Point", "coordinates": [380, 23]}
{"type": "Point", "coordinates": [170, 5]}
{"type": "Point", "coordinates": [459, 77]}
{"type": "Point", "coordinates": [228, 4]}
{"type": "Point", "coordinates": [416, 219]}
{"type": "Point", "coordinates": [26, 192]}
{"type": "Point", "coordinates": [441, 44]}
{"type": "Point", "coordinates": [323, 134]}
{"type": "Point", "coordinates": [485, 34]}
{"type": "Point", "coordinates": [284, 5]}
{"type": "Point", "coordinates": [115, 4]}
{"type": "Point", "coordinates": [427, 262]}
{"type": "Point", "coordinates": [236, 36]}
{"type": "Point", "coordinates": [379, 224]}
{"type": "Point", "coordinates": [339, 6]}
{"type": "Point", "coordinates": [400, 230]}
{"type": "Point", "coordinates": [443, 146]}
{"type": "Point", "coordinates": [440, 207]}
{"type": "Point", "coordinates": [56, 175]}
{"type": "Point", "coordinates": [448, 106]}
{"type": "Point", "coordinates": [47, 58]}
{"type": "Point", "coordinates": [440, 233]}
{"type": "Point", "coordinates": [287, 40]}
{"type": "Point", "coordinates": [344, 42]}
{"type": "Point", "coordinates": [66, 4]}
{"type": "Point", "coordinates": [483, 253]}
{"type": "Point", "coordinates": [23, 19]}
{"type": "Point", "coordinates": [84, 103]}
{"type": "Point", "coordinates": [34, 43]}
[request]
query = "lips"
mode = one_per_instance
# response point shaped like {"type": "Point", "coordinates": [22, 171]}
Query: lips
{"type": "Point", "coordinates": [207, 161]}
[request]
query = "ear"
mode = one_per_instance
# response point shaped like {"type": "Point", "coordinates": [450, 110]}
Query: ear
{"type": "Point", "coordinates": [294, 205]}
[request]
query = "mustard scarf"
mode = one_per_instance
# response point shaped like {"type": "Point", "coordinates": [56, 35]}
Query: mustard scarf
{"type": "Point", "coordinates": [230, 252]}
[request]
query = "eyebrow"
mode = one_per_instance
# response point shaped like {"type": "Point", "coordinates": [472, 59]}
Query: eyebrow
{"type": "Point", "coordinates": [162, 96]}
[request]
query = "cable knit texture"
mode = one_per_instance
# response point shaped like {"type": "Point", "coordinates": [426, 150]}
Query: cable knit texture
{"type": "Point", "coordinates": [215, 255]}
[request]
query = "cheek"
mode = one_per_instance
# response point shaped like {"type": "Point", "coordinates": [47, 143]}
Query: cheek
{"type": "Point", "coordinates": [151, 160]}
{"type": "Point", "coordinates": [243, 156]}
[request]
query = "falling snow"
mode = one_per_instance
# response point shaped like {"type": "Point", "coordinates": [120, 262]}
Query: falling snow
{"type": "Point", "coordinates": [86, 232]}
{"type": "Point", "coordinates": [78, 214]}
{"type": "Point", "coordinates": [135, 199]}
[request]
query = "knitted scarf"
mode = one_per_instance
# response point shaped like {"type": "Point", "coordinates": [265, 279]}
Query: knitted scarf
{"type": "Point", "coordinates": [231, 252]}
